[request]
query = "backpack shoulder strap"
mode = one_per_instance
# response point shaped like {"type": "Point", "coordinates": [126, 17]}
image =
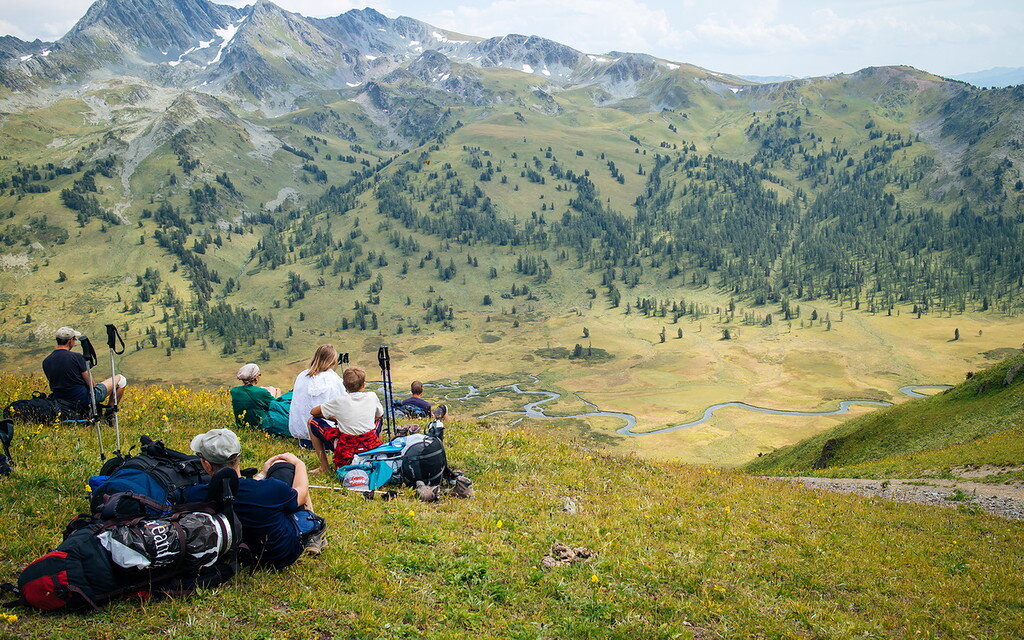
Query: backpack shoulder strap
{"type": "Point", "coordinates": [111, 503]}
{"type": "Point", "coordinates": [11, 589]}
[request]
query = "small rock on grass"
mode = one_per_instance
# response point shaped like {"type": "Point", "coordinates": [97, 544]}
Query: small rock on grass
{"type": "Point", "coordinates": [562, 555]}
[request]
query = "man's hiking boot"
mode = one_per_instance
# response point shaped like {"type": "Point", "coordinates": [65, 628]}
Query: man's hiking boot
{"type": "Point", "coordinates": [463, 487]}
{"type": "Point", "coordinates": [316, 542]}
{"type": "Point", "coordinates": [406, 429]}
{"type": "Point", "coordinates": [427, 493]}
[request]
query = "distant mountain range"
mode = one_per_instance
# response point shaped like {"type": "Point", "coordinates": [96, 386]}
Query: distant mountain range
{"type": "Point", "coordinates": [769, 79]}
{"type": "Point", "coordinates": [994, 77]}
{"type": "Point", "coordinates": [184, 155]}
{"type": "Point", "coordinates": [272, 57]}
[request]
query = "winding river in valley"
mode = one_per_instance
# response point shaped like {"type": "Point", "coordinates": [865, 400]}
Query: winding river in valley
{"type": "Point", "coordinates": [535, 410]}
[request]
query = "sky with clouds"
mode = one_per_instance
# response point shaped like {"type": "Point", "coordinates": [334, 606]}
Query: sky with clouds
{"type": "Point", "coordinates": [748, 37]}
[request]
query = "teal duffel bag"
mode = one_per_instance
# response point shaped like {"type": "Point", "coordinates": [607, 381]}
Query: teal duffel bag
{"type": "Point", "coordinates": [276, 422]}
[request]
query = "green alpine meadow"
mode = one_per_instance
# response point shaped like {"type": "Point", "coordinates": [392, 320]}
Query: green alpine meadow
{"type": "Point", "coordinates": [680, 551]}
{"type": "Point", "coordinates": [723, 356]}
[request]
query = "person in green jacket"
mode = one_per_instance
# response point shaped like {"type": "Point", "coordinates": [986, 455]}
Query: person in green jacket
{"type": "Point", "coordinates": [250, 403]}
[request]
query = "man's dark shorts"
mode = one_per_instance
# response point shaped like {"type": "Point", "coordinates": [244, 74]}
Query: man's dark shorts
{"type": "Point", "coordinates": [81, 400]}
{"type": "Point", "coordinates": [307, 522]}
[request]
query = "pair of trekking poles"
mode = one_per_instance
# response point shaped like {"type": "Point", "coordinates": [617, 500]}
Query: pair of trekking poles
{"type": "Point", "coordinates": [384, 360]}
{"type": "Point", "coordinates": [116, 346]}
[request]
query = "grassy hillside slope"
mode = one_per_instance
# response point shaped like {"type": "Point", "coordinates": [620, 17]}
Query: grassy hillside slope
{"type": "Point", "coordinates": [980, 421]}
{"type": "Point", "coordinates": [682, 551]}
{"type": "Point", "coordinates": [802, 221]}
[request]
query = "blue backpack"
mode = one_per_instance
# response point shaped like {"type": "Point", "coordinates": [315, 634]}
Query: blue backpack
{"type": "Point", "coordinates": [158, 473]}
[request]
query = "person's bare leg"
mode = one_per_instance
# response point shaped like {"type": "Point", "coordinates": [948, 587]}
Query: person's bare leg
{"type": "Point", "coordinates": [110, 384]}
{"type": "Point", "coordinates": [321, 454]}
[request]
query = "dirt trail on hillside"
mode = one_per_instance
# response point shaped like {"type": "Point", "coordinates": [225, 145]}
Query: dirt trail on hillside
{"type": "Point", "coordinates": [1004, 500]}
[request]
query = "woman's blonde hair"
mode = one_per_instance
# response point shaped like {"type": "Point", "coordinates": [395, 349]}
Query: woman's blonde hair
{"type": "Point", "coordinates": [325, 359]}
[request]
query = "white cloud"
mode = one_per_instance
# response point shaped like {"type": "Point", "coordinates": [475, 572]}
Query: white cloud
{"type": "Point", "coordinates": [6, 28]}
{"type": "Point", "coordinates": [45, 19]}
{"type": "Point", "coordinates": [594, 25]}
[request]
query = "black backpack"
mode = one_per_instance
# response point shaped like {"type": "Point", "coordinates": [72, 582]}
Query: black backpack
{"type": "Point", "coordinates": [100, 560]}
{"type": "Point", "coordinates": [41, 409]}
{"type": "Point", "coordinates": [425, 461]}
{"type": "Point", "coordinates": [157, 472]}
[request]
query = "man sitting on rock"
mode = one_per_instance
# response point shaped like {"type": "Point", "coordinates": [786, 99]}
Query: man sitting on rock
{"type": "Point", "coordinates": [70, 379]}
{"type": "Point", "coordinates": [275, 510]}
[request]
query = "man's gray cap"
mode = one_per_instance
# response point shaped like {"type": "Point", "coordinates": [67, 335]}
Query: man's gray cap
{"type": "Point", "coordinates": [217, 445]}
{"type": "Point", "coordinates": [66, 333]}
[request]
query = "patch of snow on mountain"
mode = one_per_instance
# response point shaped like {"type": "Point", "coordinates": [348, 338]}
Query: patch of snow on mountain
{"type": "Point", "coordinates": [440, 37]}
{"type": "Point", "coordinates": [227, 34]}
{"type": "Point", "coordinates": [671, 66]}
{"type": "Point", "coordinates": [369, 57]}
{"type": "Point", "coordinates": [527, 68]}
{"type": "Point", "coordinates": [181, 58]}
{"type": "Point", "coordinates": [24, 58]}
{"type": "Point", "coordinates": [353, 84]}
{"type": "Point", "coordinates": [45, 53]}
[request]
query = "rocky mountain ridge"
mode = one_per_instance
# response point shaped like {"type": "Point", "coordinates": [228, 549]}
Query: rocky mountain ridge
{"type": "Point", "coordinates": [269, 59]}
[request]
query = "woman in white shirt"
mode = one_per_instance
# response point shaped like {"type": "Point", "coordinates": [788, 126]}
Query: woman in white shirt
{"type": "Point", "coordinates": [314, 386]}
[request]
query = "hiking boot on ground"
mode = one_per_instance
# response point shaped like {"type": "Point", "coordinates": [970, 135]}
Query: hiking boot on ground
{"type": "Point", "coordinates": [463, 487]}
{"type": "Point", "coordinates": [427, 493]}
{"type": "Point", "coordinates": [316, 542]}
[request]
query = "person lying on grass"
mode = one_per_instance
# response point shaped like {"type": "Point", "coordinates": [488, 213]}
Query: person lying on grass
{"type": "Point", "coordinates": [276, 511]}
{"type": "Point", "coordinates": [348, 423]}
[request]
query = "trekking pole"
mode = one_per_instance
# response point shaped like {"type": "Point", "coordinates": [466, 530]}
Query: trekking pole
{"type": "Point", "coordinates": [113, 339]}
{"type": "Point", "coordinates": [6, 438]}
{"type": "Point", "coordinates": [89, 353]}
{"type": "Point", "coordinates": [391, 397]}
{"type": "Point", "coordinates": [384, 359]}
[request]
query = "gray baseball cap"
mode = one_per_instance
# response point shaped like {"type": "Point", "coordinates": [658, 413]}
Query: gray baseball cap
{"type": "Point", "coordinates": [217, 445]}
{"type": "Point", "coordinates": [66, 333]}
